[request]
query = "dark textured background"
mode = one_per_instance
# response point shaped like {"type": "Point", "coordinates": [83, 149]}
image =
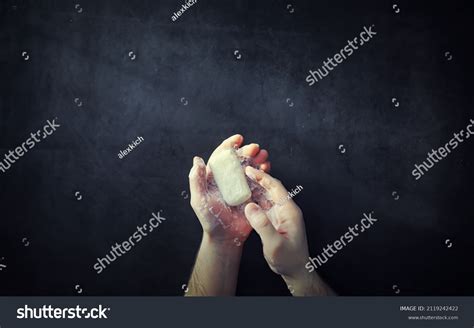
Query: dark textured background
{"type": "Point", "coordinates": [85, 55]}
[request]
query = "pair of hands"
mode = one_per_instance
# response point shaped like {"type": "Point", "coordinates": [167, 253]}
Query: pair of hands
{"type": "Point", "coordinates": [279, 223]}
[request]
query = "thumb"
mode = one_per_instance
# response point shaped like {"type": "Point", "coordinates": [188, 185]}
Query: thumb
{"type": "Point", "coordinates": [260, 222]}
{"type": "Point", "coordinates": [197, 182]}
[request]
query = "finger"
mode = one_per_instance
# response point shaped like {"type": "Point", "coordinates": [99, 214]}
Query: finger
{"type": "Point", "coordinates": [234, 141]}
{"type": "Point", "coordinates": [260, 223]}
{"type": "Point", "coordinates": [231, 142]}
{"type": "Point", "coordinates": [265, 167]}
{"type": "Point", "coordinates": [197, 181]}
{"type": "Point", "coordinates": [261, 157]}
{"type": "Point", "coordinates": [273, 186]}
{"type": "Point", "coordinates": [249, 150]}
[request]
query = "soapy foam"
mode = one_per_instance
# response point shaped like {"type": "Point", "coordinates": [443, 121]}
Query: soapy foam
{"type": "Point", "coordinates": [228, 217]}
{"type": "Point", "coordinates": [258, 192]}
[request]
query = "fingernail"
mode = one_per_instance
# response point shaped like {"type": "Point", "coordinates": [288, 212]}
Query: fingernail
{"type": "Point", "coordinates": [197, 160]}
{"type": "Point", "coordinates": [256, 208]}
{"type": "Point", "coordinates": [239, 137]}
{"type": "Point", "coordinates": [252, 209]}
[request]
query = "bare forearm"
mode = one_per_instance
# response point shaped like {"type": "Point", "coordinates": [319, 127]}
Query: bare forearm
{"type": "Point", "coordinates": [216, 269]}
{"type": "Point", "coordinates": [308, 284]}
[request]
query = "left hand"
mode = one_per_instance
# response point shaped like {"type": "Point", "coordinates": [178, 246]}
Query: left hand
{"type": "Point", "coordinates": [219, 221]}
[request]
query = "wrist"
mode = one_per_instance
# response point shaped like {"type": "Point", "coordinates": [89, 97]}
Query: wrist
{"type": "Point", "coordinates": [222, 246]}
{"type": "Point", "coordinates": [298, 281]}
{"type": "Point", "coordinates": [304, 283]}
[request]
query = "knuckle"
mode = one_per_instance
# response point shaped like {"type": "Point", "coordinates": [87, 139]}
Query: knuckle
{"type": "Point", "coordinates": [267, 182]}
{"type": "Point", "coordinates": [274, 183]}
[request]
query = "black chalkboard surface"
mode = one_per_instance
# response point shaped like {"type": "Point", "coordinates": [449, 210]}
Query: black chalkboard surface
{"type": "Point", "coordinates": [111, 72]}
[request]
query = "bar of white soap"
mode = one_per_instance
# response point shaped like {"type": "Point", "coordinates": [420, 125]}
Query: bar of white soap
{"type": "Point", "coordinates": [230, 177]}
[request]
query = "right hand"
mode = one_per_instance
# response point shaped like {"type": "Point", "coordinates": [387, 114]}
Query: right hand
{"type": "Point", "coordinates": [282, 231]}
{"type": "Point", "coordinates": [281, 227]}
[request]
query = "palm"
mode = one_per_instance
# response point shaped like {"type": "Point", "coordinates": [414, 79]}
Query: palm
{"type": "Point", "coordinates": [217, 218]}
{"type": "Point", "coordinates": [229, 222]}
